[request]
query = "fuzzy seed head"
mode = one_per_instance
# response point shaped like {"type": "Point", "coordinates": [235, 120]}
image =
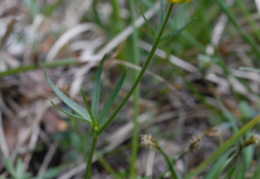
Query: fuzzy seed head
{"type": "Point", "coordinates": [213, 132]}
{"type": "Point", "coordinates": [253, 139]}
{"type": "Point", "coordinates": [148, 140]}
{"type": "Point", "coordinates": [195, 142]}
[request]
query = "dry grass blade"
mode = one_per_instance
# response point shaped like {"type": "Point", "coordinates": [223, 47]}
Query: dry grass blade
{"type": "Point", "coordinates": [3, 144]}
{"type": "Point", "coordinates": [173, 59]}
{"type": "Point", "coordinates": [33, 31]}
{"type": "Point", "coordinates": [127, 32]}
{"type": "Point", "coordinates": [67, 36]}
{"type": "Point", "coordinates": [257, 3]}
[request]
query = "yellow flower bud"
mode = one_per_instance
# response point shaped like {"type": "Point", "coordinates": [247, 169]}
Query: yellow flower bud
{"type": "Point", "coordinates": [178, 1]}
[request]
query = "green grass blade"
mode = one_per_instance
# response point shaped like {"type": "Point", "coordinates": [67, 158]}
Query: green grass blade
{"type": "Point", "coordinates": [230, 117]}
{"type": "Point", "coordinates": [78, 109]}
{"type": "Point", "coordinates": [173, 171]}
{"type": "Point", "coordinates": [218, 166]}
{"type": "Point", "coordinates": [116, 14]}
{"type": "Point", "coordinates": [96, 90]}
{"type": "Point", "coordinates": [223, 166]}
{"type": "Point", "coordinates": [136, 60]}
{"type": "Point", "coordinates": [68, 113]}
{"type": "Point", "coordinates": [53, 64]}
{"type": "Point", "coordinates": [88, 107]}
{"type": "Point", "coordinates": [147, 23]}
{"type": "Point", "coordinates": [224, 147]}
{"type": "Point", "coordinates": [173, 34]}
{"type": "Point", "coordinates": [111, 99]}
{"type": "Point", "coordinates": [161, 14]}
{"type": "Point", "coordinates": [250, 69]}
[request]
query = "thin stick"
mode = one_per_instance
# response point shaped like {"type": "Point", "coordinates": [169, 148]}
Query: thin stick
{"type": "Point", "coordinates": [47, 159]}
{"type": "Point", "coordinates": [3, 144]}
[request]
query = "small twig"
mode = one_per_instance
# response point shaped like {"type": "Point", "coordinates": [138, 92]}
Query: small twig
{"type": "Point", "coordinates": [73, 171]}
{"type": "Point", "coordinates": [149, 164]}
{"type": "Point", "coordinates": [32, 144]}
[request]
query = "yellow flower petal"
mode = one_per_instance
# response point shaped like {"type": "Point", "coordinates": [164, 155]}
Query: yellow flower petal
{"type": "Point", "coordinates": [178, 1]}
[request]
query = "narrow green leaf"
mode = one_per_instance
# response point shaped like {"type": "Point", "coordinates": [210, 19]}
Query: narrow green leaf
{"type": "Point", "coordinates": [248, 155]}
{"type": "Point", "coordinates": [96, 90]}
{"type": "Point", "coordinates": [111, 98]}
{"type": "Point", "coordinates": [67, 100]}
{"type": "Point", "coordinates": [19, 168]}
{"type": "Point", "coordinates": [161, 14]}
{"type": "Point", "coordinates": [69, 114]}
{"type": "Point", "coordinates": [87, 106]}
{"type": "Point", "coordinates": [239, 172]}
{"type": "Point", "coordinates": [147, 23]}
{"type": "Point", "coordinates": [10, 167]}
{"type": "Point", "coordinates": [171, 35]}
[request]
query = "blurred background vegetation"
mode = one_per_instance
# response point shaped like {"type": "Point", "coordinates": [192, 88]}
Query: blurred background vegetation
{"type": "Point", "coordinates": [194, 84]}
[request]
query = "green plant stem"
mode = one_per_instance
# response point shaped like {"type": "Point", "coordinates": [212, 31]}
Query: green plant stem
{"type": "Point", "coordinates": [116, 15]}
{"type": "Point", "coordinates": [106, 166]}
{"type": "Point", "coordinates": [95, 4]}
{"type": "Point", "coordinates": [170, 165]}
{"type": "Point", "coordinates": [137, 81]}
{"type": "Point", "coordinates": [135, 57]}
{"type": "Point", "coordinates": [224, 147]}
{"type": "Point", "coordinates": [91, 153]}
